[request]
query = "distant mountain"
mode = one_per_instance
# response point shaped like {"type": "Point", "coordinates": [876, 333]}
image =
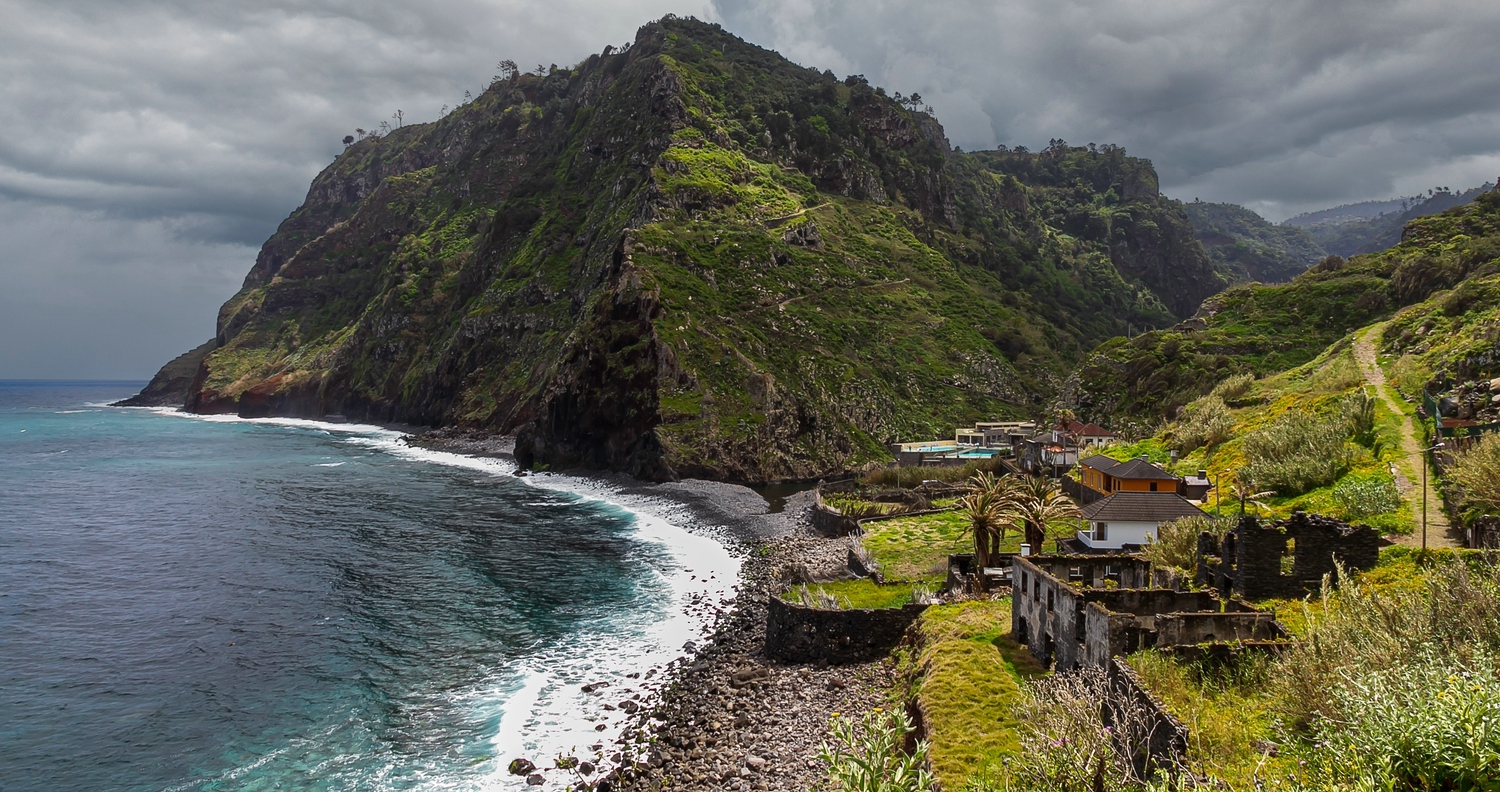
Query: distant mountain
{"type": "Point", "coordinates": [1373, 226]}
{"type": "Point", "coordinates": [1251, 247]}
{"type": "Point", "coordinates": [1348, 213]}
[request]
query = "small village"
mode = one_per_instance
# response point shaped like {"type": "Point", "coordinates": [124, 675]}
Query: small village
{"type": "Point", "coordinates": [1075, 559]}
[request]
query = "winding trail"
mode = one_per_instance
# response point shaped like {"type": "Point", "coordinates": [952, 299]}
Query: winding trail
{"type": "Point", "coordinates": [1439, 533]}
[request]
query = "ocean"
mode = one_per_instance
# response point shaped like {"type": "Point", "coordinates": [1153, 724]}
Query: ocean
{"type": "Point", "coordinates": [216, 603]}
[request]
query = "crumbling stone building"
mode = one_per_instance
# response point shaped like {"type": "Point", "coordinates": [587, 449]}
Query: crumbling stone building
{"type": "Point", "coordinates": [1248, 561]}
{"type": "Point", "coordinates": [1075, 610]}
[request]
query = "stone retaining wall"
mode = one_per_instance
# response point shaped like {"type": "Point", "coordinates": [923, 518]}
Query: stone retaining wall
{"type": "Point", "coordinates": [796, 633]}
{"type": "Point", "coordinates": [1164, 747]}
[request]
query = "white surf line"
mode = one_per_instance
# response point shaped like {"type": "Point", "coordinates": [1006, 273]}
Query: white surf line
{"type": "Point", "coordinates": [544, 713]}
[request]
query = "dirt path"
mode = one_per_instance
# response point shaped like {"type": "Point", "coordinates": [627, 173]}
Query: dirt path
{"type": "Point", "coordinates": [1438, 532]}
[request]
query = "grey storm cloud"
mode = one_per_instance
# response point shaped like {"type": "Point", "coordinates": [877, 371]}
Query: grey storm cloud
{"type": "Point", "coordinates": [151, 146]}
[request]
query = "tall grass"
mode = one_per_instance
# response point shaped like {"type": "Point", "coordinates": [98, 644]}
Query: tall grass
{"type": "Point", "coordinates": [1476, 471]}
{"type": "Point", "coordinates": [1234, 388]}
{"type": "Point", "coordinates": [913, 476]}
{"type": "Point", "coordinates": [1175, 544]}
{"type": "Point", "coordinates": [1065, 744]}
{"type": "Point", "coordinates": [1205, 422]}
{"type": "Point", "coordinates": [1454, 615]}
{"type": "Point", "coordinates": [1298, 452]}
{"type": "Point", "coordinates": [1410, 376]}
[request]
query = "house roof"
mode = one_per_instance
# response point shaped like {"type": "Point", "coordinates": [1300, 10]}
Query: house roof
{"type": "Point", "coordinates": [1140, 469]}
{"type": "Point", "coordinates": [1087, 429]}
{"type": "Point", "coordinates": [1100, 462]}
{"type": "Point", "coordinates": [1140, 507]}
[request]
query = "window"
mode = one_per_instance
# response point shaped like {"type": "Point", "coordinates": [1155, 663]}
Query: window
{"type": "Point", "coordinates": [1101, 531]}
{"type": "Point", "coordinates": [1049, 602]}
{"type": "Point", "coordinates": [1153, 486]}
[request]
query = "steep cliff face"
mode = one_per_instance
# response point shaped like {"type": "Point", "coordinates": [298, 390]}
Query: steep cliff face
{"type": "Point", "coordinates": [692, 257]}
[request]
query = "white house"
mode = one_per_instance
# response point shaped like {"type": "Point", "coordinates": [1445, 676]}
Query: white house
{"type": "Point", "coordinates": [1127, 520]}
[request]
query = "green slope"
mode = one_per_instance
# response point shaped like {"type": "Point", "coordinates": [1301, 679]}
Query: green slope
{"type": "Point", "coordinates": [1247, 245]}
{"type": "Point", "coordinates": [1443, 267]}
{"type": "Point", "coordinates": [693, 257]}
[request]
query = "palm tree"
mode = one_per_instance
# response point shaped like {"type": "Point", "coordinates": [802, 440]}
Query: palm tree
{"type": "Point", "coordinates": [1037, 501]}
{"type": "Point", "coordinates": [1244, 489]}
{"type": "Point", "coordinates": [988, 507]}
{"type": "Point", "coordinates": [986, 510]}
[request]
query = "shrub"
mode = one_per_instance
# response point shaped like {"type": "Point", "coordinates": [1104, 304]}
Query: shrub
{"type": "Point", "coordinates": [1176, 543]}
{"type": "Point", "coordinates": [1065, 745]}
{"type": "Point", "coordinates": [1358, 411]}
{"type": "Point", "coordinates": [1362, 496]}
{"type": "Point", "coordinates": [1205, 422]}
{"type": "Point", "coordinates": [1298, 452]}
{"type": "Point", "coordinates": [1476, 471]}
{"type": "Point", "coordinates": [1410, 375]}
{"type": "Point", "coordinates": [1455, 613]}
{"type": "Point", "coordinates": [867, 755]}
{"type": "Point", "coordinates": [1234, 388]}
{"type": "Point", "coordinates": [1432, 724]}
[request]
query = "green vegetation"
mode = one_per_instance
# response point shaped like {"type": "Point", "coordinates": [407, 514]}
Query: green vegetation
{"type": "Point", "coordinates": [1309, 438]}
{"type": "Point", "coordinates": [696, 258]}
{"type": "Point", "coordinates": [913, 476]}
{"type": "Point", "coordinates": [1475, 475]}
{"type": "Point", "coordinates": [1227, 708]}
{"type": "Point", "coordinates": [917, 548]}
{"type": "Point", "coordinates": [969, 673]}
{"type": "Point", "coordinates": [861, 594]}
{"type": "Point", "coordinates": [869, 755]}
{"type": "Point", "coordinates": [1398, 690]}
{"type": "Point", "coordinates": [1246, 244]}
{"type": "Point", "coordinates": [1261, 330]}
{"type": "Point", "coordinates": [1351, 236]}
{"type": "Point", "coordinates": [1175, 545]}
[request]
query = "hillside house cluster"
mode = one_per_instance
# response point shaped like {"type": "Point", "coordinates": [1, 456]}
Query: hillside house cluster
{"type": "Point", "coordinates": [1123, 504]}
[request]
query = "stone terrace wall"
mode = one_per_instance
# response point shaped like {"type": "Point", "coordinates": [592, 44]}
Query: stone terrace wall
{"type": "Point", "coordinates": [1194, 628]}
{"type": "Point", "coordinates": [799, 634]}
{"type": "Point", "coordinates": [1166, 739]}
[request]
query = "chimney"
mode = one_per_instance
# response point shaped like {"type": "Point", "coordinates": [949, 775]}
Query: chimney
{"type": "Point", "coordinates": [1203, 474]}
{"type": "Point", "coordinates": [1145, 457]}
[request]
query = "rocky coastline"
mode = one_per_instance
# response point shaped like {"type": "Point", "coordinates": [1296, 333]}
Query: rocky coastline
{"type": "Point", "coordinates": [726, 718]}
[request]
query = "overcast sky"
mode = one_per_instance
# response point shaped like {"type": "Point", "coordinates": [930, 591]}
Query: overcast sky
{"type": "Point", "coordinates": [151, 146]}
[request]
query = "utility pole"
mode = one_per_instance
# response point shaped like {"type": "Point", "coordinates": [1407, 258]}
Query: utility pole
{"type": "Point", "coordinates": [1425, 452]}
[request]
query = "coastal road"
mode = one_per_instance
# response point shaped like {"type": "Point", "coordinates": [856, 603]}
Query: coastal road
{"type": "Point", "coordinates": [1439, 533]}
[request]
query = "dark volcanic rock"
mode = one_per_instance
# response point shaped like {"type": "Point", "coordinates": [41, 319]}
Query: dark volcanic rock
{"type": "Point", "coordinates": [173, 385]}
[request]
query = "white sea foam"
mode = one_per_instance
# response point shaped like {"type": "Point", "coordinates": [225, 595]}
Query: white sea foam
{"type": "Point", "coordinates": [539, 708]}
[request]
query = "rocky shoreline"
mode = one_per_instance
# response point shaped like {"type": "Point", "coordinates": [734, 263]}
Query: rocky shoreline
{"type": "Point", "coordinates": [731, 720]}
{"type": "Point", "coordinates": [726, 718]}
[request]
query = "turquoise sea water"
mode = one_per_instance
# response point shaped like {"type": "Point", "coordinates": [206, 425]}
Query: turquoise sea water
{"type": "Point", "coordinates": [191, 603]}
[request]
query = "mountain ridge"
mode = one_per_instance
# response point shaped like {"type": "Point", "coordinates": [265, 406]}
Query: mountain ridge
{"type": "Point", "coordinates": [690, 257]}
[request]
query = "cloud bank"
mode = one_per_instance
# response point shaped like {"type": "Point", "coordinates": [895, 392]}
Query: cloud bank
{"type": "Point", "coordinates": [152, 145]}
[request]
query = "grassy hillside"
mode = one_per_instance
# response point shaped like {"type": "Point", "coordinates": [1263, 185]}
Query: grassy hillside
{"type": "Point", "coordinates": [693, 257]}
{"type": "Point", "coordinates": [1260, 330]}
{"type": "Point", "coordinates": [1247, 245]}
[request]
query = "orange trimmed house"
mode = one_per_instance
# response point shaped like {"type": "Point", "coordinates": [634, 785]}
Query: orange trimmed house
{"type": "Point", "coordinates": [1106, 476]}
